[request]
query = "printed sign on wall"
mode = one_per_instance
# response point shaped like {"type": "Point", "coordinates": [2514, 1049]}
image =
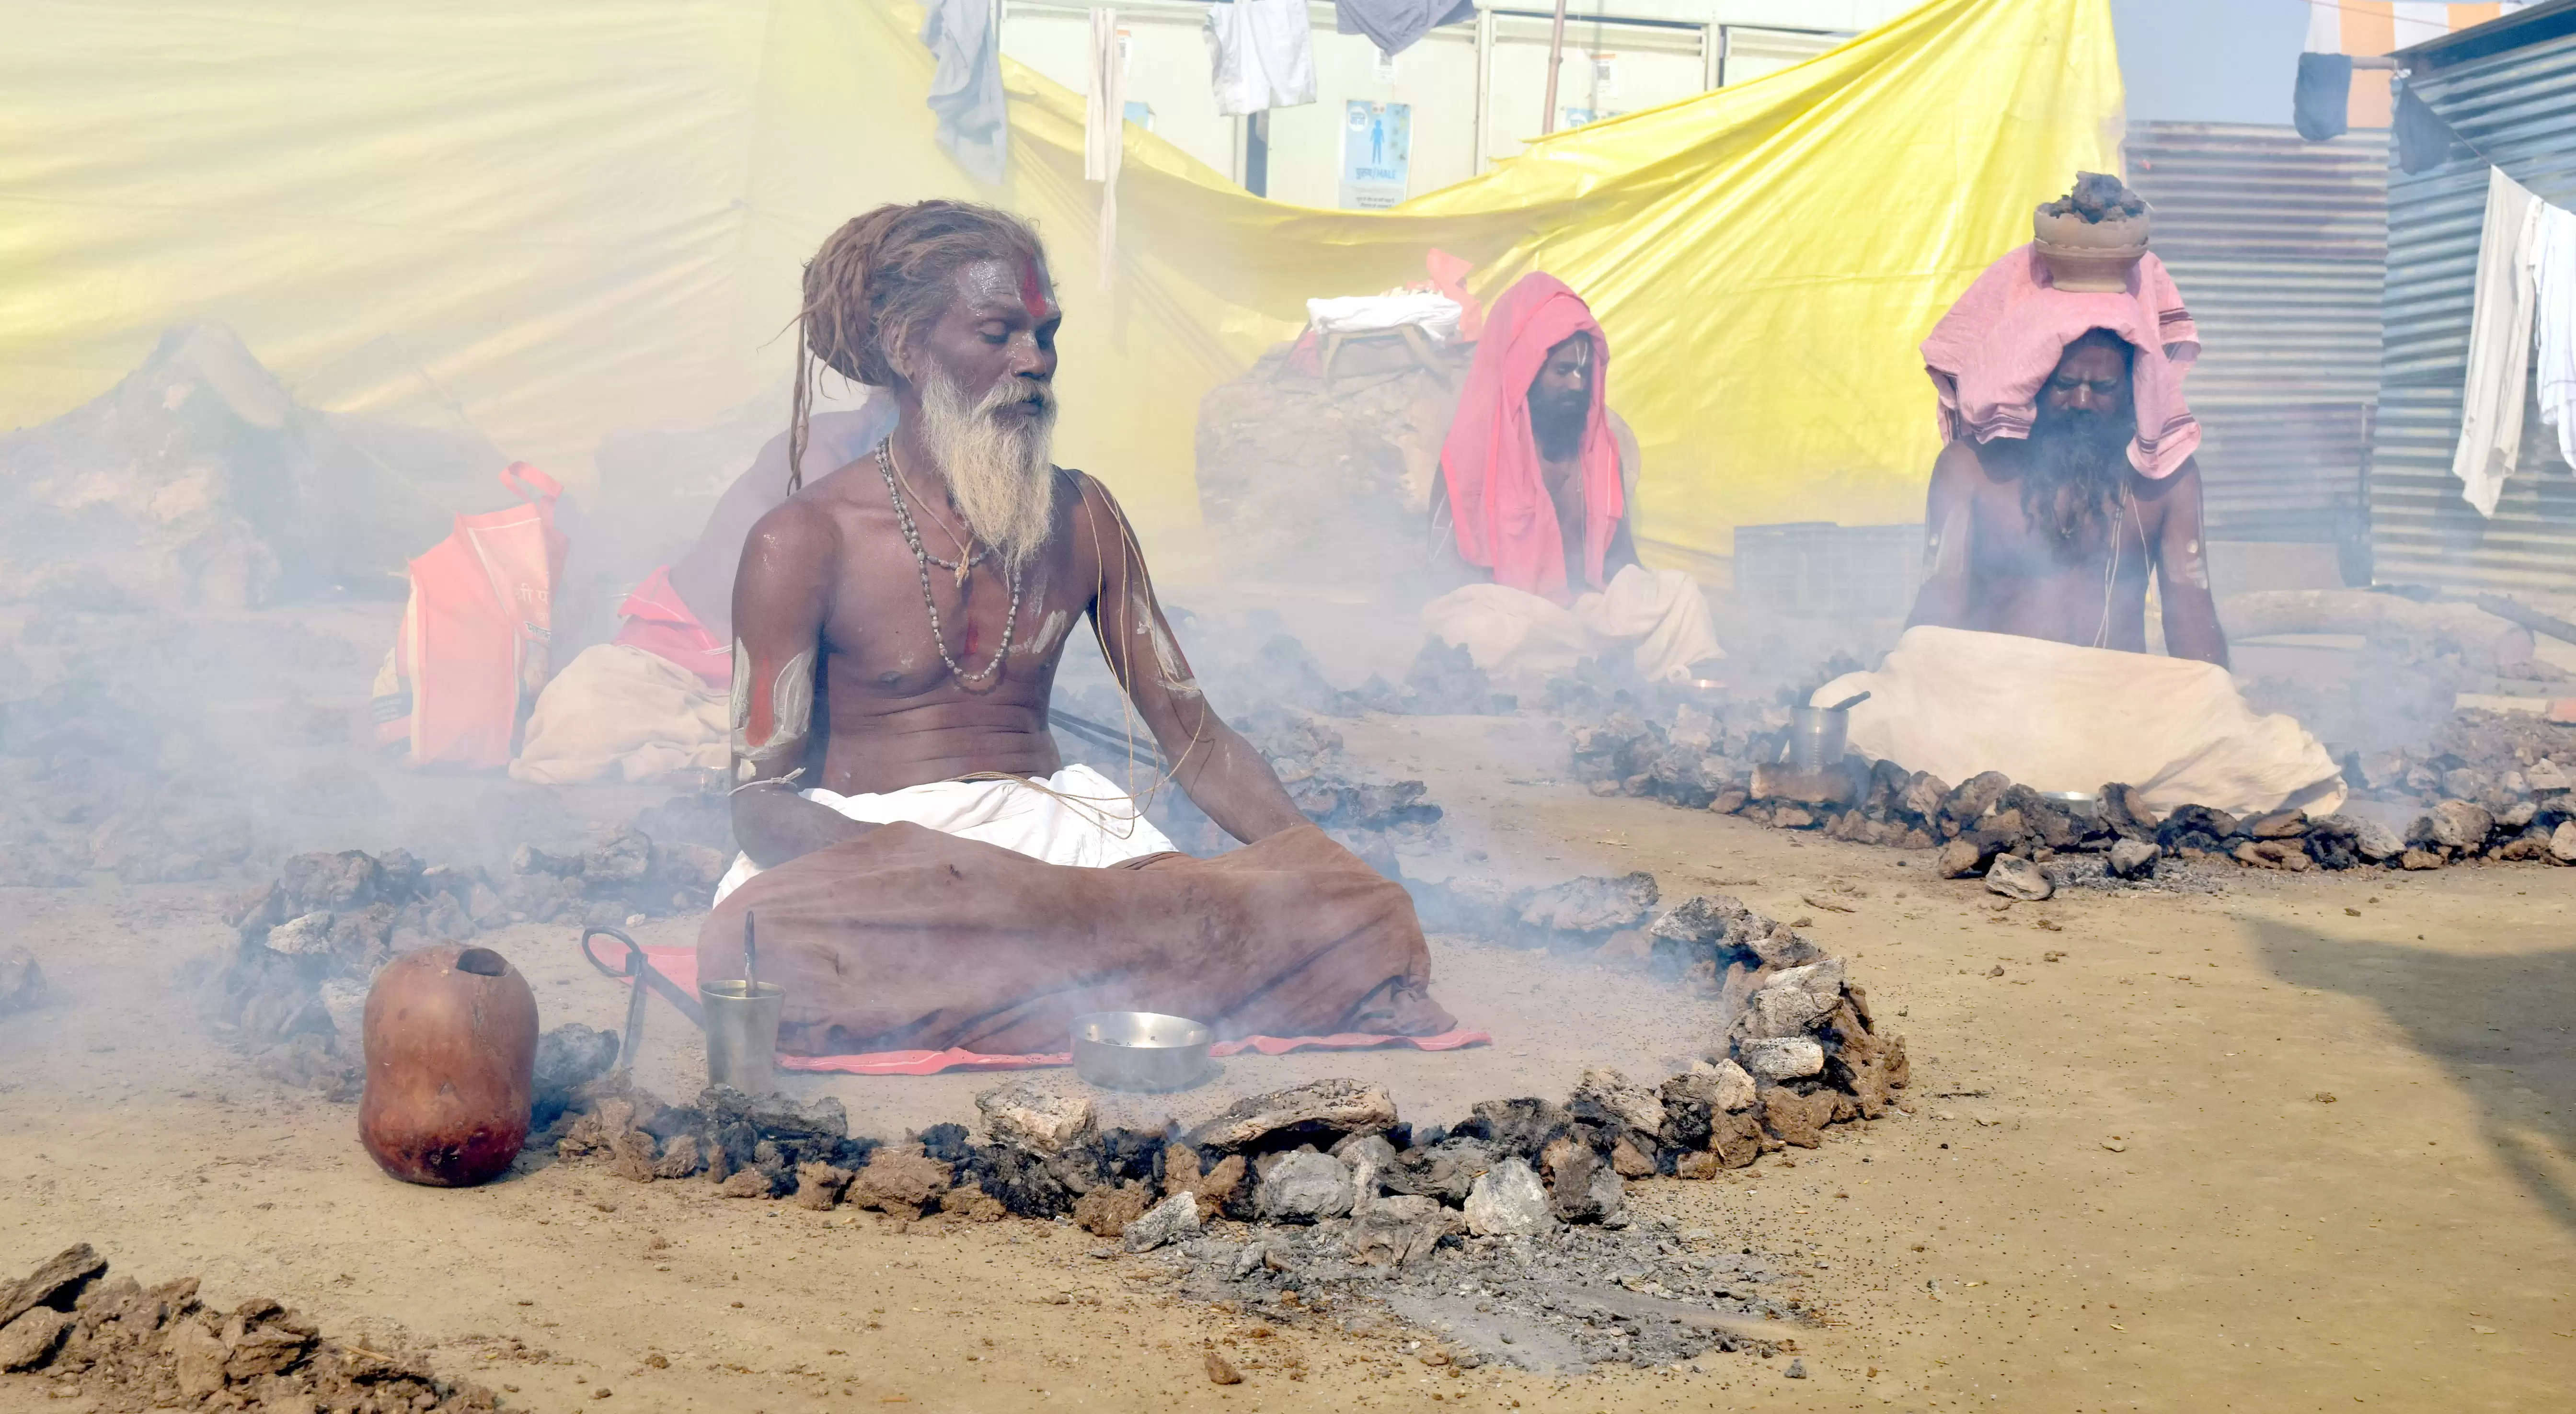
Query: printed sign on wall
{"type": "Point", "coordinates": [1377, 149]}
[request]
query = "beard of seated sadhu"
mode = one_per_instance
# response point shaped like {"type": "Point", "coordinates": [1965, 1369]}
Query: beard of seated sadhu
{"type": "Point", "coordinates": [924, 869]}
{"type": "Point", "coordinates": [1560, 399]}
{"type": "Point", "coordinates": [2078, 459]}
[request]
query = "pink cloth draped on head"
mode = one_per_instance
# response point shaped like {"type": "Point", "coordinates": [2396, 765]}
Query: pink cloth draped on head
{"type": "Point", "coordinates": [1991, 353]}
{"type": "Point", "coordinates": [1505, 518]}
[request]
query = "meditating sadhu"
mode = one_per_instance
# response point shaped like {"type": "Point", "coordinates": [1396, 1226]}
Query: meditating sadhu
{"type": "Point", "coordinates": [1537, 481]}
{"type": "Point", "coordinates": [924, 869]}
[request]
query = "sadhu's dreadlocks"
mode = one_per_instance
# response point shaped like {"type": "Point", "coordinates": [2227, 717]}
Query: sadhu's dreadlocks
{"type": "Point", "coordinates": [877, 282]}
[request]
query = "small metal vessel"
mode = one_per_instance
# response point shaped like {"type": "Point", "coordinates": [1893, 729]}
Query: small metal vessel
{"type": "Point", "coordinates": [1141, 1050]}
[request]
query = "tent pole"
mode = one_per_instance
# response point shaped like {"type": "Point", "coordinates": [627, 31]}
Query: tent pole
{"type": "Point", "coordinates": [1555, 57]}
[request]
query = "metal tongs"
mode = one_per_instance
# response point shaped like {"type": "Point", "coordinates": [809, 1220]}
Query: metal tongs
{"type": "Point", "coordinates": [641, 976]}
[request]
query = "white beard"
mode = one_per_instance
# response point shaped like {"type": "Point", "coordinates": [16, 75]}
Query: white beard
{"type": "Point", "coordinates": [1001, 477]}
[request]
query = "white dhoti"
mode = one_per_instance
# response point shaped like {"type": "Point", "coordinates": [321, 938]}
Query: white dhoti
{"type": "Point", "coordinates": [1659, 617]}
{"type": "Point", "coordinates": [2056, 717]}
{"type": "Point", "coordinates": [1075, 817]}
{"type": "Point", "coordinates": [617, 712]}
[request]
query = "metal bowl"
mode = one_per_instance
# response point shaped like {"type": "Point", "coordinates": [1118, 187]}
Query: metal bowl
{"type": "Point", "coordinates": [1141, 1050]}
{"type": "Point", "coordinates": [2082, 802]}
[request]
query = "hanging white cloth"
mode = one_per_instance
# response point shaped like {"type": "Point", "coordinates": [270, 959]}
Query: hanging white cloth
{"type": "Point", "coordinates": [2499, 344]}
{"type": "Point", "coordinates": [1263, 53]}
{"type": "Point", "coordinates": [2553, 323]}
{"type": "Point", "coordinates": [1104, 132]}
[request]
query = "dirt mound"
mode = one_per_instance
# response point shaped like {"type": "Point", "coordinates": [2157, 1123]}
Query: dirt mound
{"type": "Point", "coordinates": [1333, 480]}
{"type": "Point", "coordinates": [197, 481]}
{"type": "Point", "coordinates": [125, 1346]}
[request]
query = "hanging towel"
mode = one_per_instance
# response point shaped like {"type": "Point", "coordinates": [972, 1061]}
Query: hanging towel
{"type": "Point", "coordinates": [1397, 25]}
{"type": "Point", "coordinates": [966, 92]}
{"type": "Point", "coordinates": [2321, 103]}
{"type": "Point", "coordinates": [1104, 132]}
{"type": "Point", "coordinates": [1263, 56]}
{"type": "Point", "coordinates": [2553, 324]}
{"type": "Point", "coordinates": [2499, 344]}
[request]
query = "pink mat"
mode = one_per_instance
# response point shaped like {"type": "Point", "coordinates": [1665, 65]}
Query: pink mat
{"type": "Point", "coordinates": [680, 964]}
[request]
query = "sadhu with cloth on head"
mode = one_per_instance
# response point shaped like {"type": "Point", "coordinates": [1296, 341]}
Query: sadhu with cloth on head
{"type": "Point", "coordinates": [2066, 483]}
{"type": "Point", "coordinates": [1538, 479]}
{"type": "Point", "coordinates": [925, 870]}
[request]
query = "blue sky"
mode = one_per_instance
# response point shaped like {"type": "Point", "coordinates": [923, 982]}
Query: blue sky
{"type": "Point", "coordinates": [2209, 61]}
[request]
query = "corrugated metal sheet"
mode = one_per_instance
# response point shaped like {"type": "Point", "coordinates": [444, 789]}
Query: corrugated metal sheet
{"type": "Point", "coordinates": [2516, 108]}
{"type": "Point", "coordinates": [2278, 245]}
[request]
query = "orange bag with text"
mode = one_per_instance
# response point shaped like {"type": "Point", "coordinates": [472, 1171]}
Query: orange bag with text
{"type": "Point", "coordinates": [475, 642]}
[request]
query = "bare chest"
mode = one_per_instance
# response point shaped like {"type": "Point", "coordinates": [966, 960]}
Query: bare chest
{"type": "Point", "coordinates": [903, 628]}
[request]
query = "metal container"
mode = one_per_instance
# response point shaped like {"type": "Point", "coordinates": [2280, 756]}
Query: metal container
{"type": "Point", "coordinates": [742, 1033]}
{"type": "Point", "coordinates": [2081, 802]}
{"type": "Point", "coordinates": [1816, 736]}
{"type": "Point", "coordinates": [1141, 1050]}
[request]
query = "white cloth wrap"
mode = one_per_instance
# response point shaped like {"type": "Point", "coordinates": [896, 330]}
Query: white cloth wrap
{"type": "Point", "coordinates": [1436, 315]}
{"type": "Point", "coordinates": [1659, 616]}
{"type": "Point", "coordinates": [1087, 822]}
{"type": "Point", "coordinates": [617, 712]}
{"type": "Point", "coordinates": [2056, 717]}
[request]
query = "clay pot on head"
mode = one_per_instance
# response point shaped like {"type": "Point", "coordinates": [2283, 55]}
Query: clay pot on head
{"type": "Point", "coordinates": [2089, 256]}
{"type": "Point", "coordinates": [451, 1061]}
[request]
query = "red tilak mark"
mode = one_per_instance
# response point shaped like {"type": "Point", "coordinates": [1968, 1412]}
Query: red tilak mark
{"type": "Point", "coordinates": [1033, 293]}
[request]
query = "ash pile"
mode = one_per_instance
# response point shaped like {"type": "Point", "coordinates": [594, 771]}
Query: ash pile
{"type": "Point", "coordinates": [198, 481]}
{"type": "Point", "coordinates": [1328, 476]}
{"type": "Point", "coordinates": [1287, 1197]}
{"type": "Point", "coordinates": [1728, 759]}
{"type": "Point", "coordinates": [290, 991]}
{"type": "Point", "coordinates": [124, 1345]}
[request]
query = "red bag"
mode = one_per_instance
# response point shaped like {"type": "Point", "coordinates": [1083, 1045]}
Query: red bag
{"type": "Point", "coordinates": [475, 643]}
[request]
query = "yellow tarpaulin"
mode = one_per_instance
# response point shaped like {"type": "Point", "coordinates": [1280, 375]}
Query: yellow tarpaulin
{"type": "Point", "coordinates": [548, 222]}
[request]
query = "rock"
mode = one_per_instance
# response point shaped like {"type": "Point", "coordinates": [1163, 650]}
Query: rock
{"type": "Point", "coordinates": [1109, 1212]}
{"type": "Point", "coordinates": [1798, 1119]}
{"type": "Point", "coordinates": [1797, 1370]}
{"type": "Point", "coordinates": [2017, 878]}
{"type": "Point", "coordinates": [1630, 1160]}
{"type": "Point", "coordinates": [1960, 859]}
{"type": "Point", "coordinates": [22, 983]}
{"type": "Point", "coordinates": [568, 1057]}
{"type": "Point", "coordinates": [1509, 1200]}
{"type": "Point", "coordinates": [53, 1283]}
{"type": "Point", "coordinates": [30, 1340]}
{"type": "Point", "coordinates": [1796, 999]}
{"type": "Point", "coordinates": [2273, 854]}
{"type": "Point", "coordinates": [1025, 1117]}
{"type": "Point", "coordinates": [899, 1181]}
{"type": "Point", "coordinates": [2546, 774]}
{"type": "Point", "coordinates": [818, 1185]}
{"type": "Point", "coordinates": [1446, 1172]}
{"type": "Point", "coordinates": [197, 1358]}
{"type": "Point", "coordinates": [1736, 1139]}
{"type": "Point", "coordinates": [264, 1338]}
{"type": "Point", "coordinates": [2419, 859]}
{"type": "Point", "coordinates": [2517, 815]}
{"type": "Point", "coordinates": [1614, 1095]}
{"type": "Point", "coordinates": [1371, 1159]}
{"type": "Point", "coordinates": [1221, 1371]}
{"type": "Point", "coordinates": [2370, 839]}
{"type": "Point", "coordinates": [1399, 1230]}
{"type": "Point", "coordinates": [1697, 1164]}
{"type": "Point", "coordinates": [349, 879]}
{"type": "Point", "coordinates": [2132, 859]}
{"type": "Point", "coordinates": [2459, 826]}
{"type": "Point", "coordinates": [752, 1183]}
{"type": "Point", "coordinates": [2562, 842]}
{"type": "Point", "coordinates": [1306, 1112]}
{"type": "Point", "coordinates": [1582, 1188]}
{"type": "Point", "coordinates": [1782, 1057]}
{"type": "Point", "coordinates": [1175, 1219]}
{"type": "Point", "coordinates": [2279, 825]}
{"type": "Point", "coordinates": [306, 936]}
{"type": "Point", "coordinates": [681, 1158]}
{"type": "Point", "coordinates": [1734, 1087]}
{"type": "Point", "coordinates": [1302, 1186]}
{"type": "Point", "coordinates": [1591, 904]}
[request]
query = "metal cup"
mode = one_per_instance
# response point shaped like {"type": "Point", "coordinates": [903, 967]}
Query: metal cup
{"type": "Point", "coordinates": [742, 1033]}
{"type": "Point", "coordinates": [1816, 737]}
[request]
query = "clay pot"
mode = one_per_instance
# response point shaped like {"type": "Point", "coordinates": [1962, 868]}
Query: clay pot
{"type": "Point", "coordinates": [2090, 256]}
{"type": "Point", "coordinates": [451, 1061]}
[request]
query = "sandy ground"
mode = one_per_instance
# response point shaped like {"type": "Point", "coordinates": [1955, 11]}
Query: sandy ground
{"type": "Point", "coordinates": [2122, 1188]}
